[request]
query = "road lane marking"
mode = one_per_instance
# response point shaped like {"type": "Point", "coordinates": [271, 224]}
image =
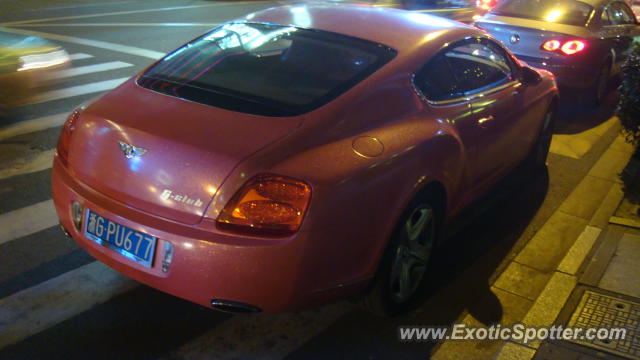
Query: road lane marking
{"type": "Point", "coordinates": [78, 90]}
{"type": "Point", "coordinates": [267, 337]}
{"type": "Point", "coordinates": [80, 56]}
{"type": "Point", "coordinates": [42, 306]}
{"type": "Point", "coordinates": [131, 50]}
{"type": "Point", "coordinates": [114, 13]}
{"type": "Point", "coordinates": [27, 220]}
{"type": "Point", "coordinates": [119, 24]}
{"type": "Point", "coordinates": [76, 6]}
{"type": "Point", "coordinates": [33, 125]}
{"type": "Point", "coordinates": [89, 69]}
{"type": "Point", "coordinates": [29, 164]}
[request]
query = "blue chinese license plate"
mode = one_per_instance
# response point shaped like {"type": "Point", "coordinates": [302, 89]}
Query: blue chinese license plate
{"type": "Point", "coordinates": [127, 242]}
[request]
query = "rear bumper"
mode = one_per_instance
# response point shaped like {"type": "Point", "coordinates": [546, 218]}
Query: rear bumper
{"type": "Point", "coordinates": [270, 274]}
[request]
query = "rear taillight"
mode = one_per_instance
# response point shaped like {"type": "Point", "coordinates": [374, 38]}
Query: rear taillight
{"type": "Point", "coordinates": [552, 45]}
{"type": "Point", "coordinates": [568, 47]}
{"type": "Point", "coordinates": [573, 47]}
{"type": "Point", "coordinates": [267, 205]}
{"type": "Point", "coordinates": [65, 136]}
{"type": "Point", "coordinates": [486, 4]}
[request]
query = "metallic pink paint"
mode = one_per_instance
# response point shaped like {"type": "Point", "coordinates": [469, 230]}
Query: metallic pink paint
{"type": "Point", "coordinates": [209, 153]}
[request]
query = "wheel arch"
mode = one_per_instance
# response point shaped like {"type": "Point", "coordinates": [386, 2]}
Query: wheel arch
{"type": "Point", "coordinates": [435, 191]}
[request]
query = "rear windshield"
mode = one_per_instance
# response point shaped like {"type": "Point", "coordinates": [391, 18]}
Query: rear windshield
{"type": "Point", "coordinates": [266, 69]}
{"type": "Point", "coordinates": [569, 12]}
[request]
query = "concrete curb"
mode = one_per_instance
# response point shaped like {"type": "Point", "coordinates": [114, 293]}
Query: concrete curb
{"type": "Point", "coordinates": [563, 280]}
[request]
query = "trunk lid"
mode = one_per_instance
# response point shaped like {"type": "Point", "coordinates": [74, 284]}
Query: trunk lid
{"type": "Point", "coordinates": [531, 34]}
{"type": "Point", "coordinates": [190, 149]}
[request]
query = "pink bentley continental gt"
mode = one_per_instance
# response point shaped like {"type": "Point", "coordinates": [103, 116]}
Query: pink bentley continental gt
{"type": "Point", "coordinates": [299, 156]}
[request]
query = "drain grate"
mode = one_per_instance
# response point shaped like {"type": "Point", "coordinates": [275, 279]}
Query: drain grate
{"type": "Point", "coordinates": [603, 311]}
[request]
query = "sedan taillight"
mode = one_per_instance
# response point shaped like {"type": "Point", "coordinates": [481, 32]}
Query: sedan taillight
{"type": "Point", "coordinates": [568, 47]}
{"type": "Point", "coordinates": [267, 205]}
{"type": "Point", "coordinates": [552, 45]}
{"type": "Point", "coordinates": [65, 136]}
{"type": "Point", "coordinates": [486, 4]}
{"type": "Point", "coordinates": [573, 47]}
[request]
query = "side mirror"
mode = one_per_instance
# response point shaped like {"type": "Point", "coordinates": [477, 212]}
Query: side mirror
{"type": "Point", "coordinates": [529, 76]}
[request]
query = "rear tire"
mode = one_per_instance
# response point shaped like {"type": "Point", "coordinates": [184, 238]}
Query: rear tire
{"type": "Point", "coordinates": [402, 270]}
{"type": "Point", "coordinates": [540, 151]}
{"type": "Point", "coordinates": [601, 86]}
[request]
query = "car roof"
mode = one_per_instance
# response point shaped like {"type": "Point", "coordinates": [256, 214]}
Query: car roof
{"type": "Point", "coordinates": [399, 29]}
{"type": "Point", "coordinates": [597, 3]}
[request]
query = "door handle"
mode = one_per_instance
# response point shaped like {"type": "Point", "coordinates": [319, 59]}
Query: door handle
{"type": "Point", "coordinates": [484, 122]}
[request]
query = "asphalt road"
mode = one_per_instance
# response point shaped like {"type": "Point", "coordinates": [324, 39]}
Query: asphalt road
{"type": "Point", "coordinates": [77, 309]}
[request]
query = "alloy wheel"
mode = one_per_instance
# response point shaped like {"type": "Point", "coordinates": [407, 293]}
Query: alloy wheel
{"type": "Point", "coordinates": [412, 254]}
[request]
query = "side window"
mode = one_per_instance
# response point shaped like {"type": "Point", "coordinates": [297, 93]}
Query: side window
{"type": "Point", "coordinates": [621, 14]}
{"type": "Point", "coordinates": [629, 15]}
{"type": "Point", "coordinates": [434, 4]}
{"type": "Point", "coordinates": [464, 69]}
{"type": "Point", "coordinates": [436, 80]}
{"type": "Point", "coordinates": [605, 19]}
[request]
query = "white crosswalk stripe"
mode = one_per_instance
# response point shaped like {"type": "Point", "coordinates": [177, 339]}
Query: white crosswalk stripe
{"type": "Point", "coordinates": [89, 69]}
{"type": "Point", "coordinates": [42, 306]}
{"type": "Point", "coordinates": [27, 220]}
{"type": "Point", "coordinates": [37, 308]}
{"type": "Point", "coordinates": [131, 50]}
{"type": "Point", "coordinates": [80, 56]}
{"type": "Point", "coordinates": [78, 90]}
{"type": "Point", "coordinates": [33, 125]}
{"type": "Point", "coordinates": [30, 164]}
{"type": "Point", "coordinates": [257, 336]}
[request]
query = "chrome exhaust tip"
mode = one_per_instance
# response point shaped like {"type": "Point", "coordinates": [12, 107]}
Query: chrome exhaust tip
{"type": "Point", "coordinates": [234, 307]}
{"type": "Point", "coordinates": [64, 230]}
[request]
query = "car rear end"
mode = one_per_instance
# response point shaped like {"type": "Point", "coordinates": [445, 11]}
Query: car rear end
{"type": "Point", "coordinates": [552, 35]}
{"type": "Point", "coordinates": [150, 180]}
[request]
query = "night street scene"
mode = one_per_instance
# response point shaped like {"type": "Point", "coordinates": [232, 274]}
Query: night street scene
{"type": "Point", "coordinates": [320, 179]}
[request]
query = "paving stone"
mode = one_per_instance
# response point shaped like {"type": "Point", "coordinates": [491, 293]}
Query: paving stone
{"type": "Point", "coordinates": [548, 305]}
{"type": "Point", "coordinates": [601, 218]}
{"type": "Point", "coordinates": [549, 246]}
{"type": "Point", "coordinates": [619, 144]}
{"type": "Point", "coordinates": [610, 165]}
{"type": "Point", "coordinates": [622, 273]}
{"type": "Point", "coordinates": [522, 280]}
{"type": "Point", "coordinates": [586, 197]}
{"type": "Point", "coordinates": [513, 351]}
{"type": "Point", "coordinates": [577, 145]}
{"type": "Point", "coordinates": [579, 250]}
{"type": "Point", "coordinates": [571, 147]}
{"type": "Point", "coordinates": [514, 307]}
{"type": "Point", "coordinates": [468, 350]}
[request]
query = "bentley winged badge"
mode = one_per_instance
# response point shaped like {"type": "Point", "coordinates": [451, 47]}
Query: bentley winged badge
{"type": "Point", "coordinates": [131, 151]}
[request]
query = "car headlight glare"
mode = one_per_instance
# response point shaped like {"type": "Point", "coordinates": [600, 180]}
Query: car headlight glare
{"type": "Point", "coordinates": [43, 60]}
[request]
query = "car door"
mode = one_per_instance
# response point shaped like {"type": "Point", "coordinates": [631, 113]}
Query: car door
{"type": "Point", "coordinates": [471, 86]}
{"type": "Point", "coordinates": [619, 27]}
